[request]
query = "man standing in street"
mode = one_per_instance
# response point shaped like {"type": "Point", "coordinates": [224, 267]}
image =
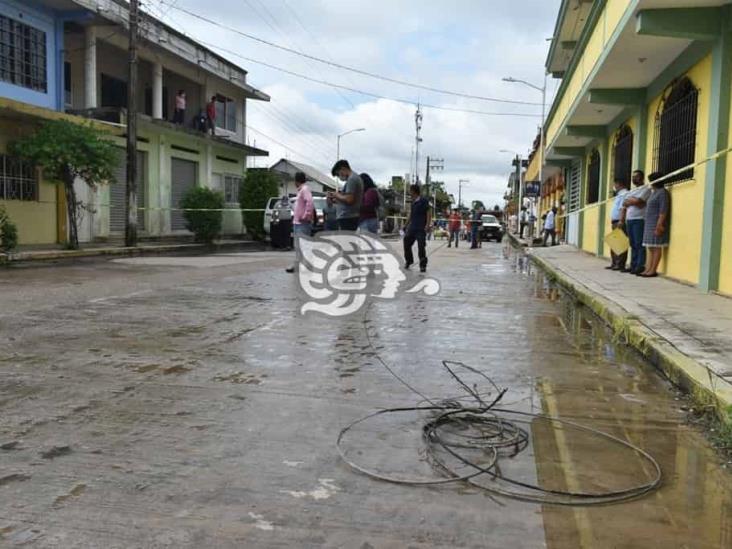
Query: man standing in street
{"type": "Point", "coordinates": [523, 221]}
{"type": "Point", "coordinates": [475, 224]}
{"type": "Point", "coordinates": [550, 226]}
{"type": "Point", "coordinates": [635, 211]}
{"type": "Point", "coordinates": [616, 221]}
{"type": "Point", "coordinates": [348, 200]}
{"type": "Point", "coordinates": [419, 221]}
{"type": "Point", "coordinates": [453, 228]}
{"type": "Point", "coordinates": [302, 216]}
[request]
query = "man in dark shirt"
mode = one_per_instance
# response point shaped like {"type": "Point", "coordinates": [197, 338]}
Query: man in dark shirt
{"type": "Point", "coordinates": [420, 219]}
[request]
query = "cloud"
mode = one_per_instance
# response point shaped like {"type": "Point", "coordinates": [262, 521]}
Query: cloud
{"type": "Point", "coordinates": [466, 45]}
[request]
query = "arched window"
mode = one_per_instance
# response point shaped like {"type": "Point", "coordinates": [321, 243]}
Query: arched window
{"type": "Point", "coordinates": [623, 154]}
{"type": "Point", "coordinates": [593, 177]}
{"type": "Point", "coordinates": [675, 139]}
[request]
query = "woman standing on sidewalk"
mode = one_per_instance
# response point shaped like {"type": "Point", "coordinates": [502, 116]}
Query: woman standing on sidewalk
{"type": "Point", "coordinates": [656, 230]}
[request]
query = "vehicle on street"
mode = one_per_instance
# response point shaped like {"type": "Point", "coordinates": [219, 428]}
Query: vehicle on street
{"type": "Point", "coordinates": [272, 212]}
{"type": "Point", "coordinates": [491, 228]}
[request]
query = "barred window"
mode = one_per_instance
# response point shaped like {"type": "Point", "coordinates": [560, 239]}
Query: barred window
{"type": "Point", "coordinates": [623, 154]}
{"type": "Point", "coordinates": [22, 55]}
{"type": "Point", "coordinates": [18, 179]}
{"type": "Point", "coordinates": [231, 188]}
{"type": "Point", "coordinates": [675, 135]}
{"type": "Point", "coordinates": [593, 177]}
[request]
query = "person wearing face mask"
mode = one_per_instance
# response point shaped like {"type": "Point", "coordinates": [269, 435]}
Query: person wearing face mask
{"type": "Point", "coordinates": [347, 200]}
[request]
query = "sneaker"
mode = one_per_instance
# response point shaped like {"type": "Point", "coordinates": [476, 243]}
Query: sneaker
{"type": "Point", "coordinates": [407, 265]}
{"type": "Point", "coordinates": [423, 269]}
{"type": "Point", "coordinates": [290, 269]}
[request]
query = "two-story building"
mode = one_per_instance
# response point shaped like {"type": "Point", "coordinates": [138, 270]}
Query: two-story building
{"type": "Point", "coordinates": [68, 58]}
{"type": "Point", "coordinates": [645, 84]}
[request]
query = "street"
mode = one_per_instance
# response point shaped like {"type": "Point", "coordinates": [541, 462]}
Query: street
{"type": "Point", "coordinates": [182, 401]}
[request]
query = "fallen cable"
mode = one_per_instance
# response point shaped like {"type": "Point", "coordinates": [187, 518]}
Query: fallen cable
{"type": "Point", "coordinates": [456, 428]}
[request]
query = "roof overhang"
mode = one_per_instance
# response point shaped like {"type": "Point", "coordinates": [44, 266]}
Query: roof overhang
{"type": "Point", "coordinates": [571, 21]}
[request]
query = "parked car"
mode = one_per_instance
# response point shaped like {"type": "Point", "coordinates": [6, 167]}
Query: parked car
{"type": "Point", "coordinates": [273, 212]}
{"type": "Point", "coordinates": [490, 228]}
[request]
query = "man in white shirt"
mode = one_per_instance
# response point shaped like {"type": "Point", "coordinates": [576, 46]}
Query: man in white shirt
{"type": "Point", "coordinates": [616, 220]}
{"type": "Point", "coordinates": [523, 221]}
{"type": "Point", "coordinates": [550, 226]}
{"type": "Point", "coordinates": [635, 211]}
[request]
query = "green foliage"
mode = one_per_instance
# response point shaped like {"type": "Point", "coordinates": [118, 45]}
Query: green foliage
{"type": "Point", "coordinates": [478, 205]}
{"type": "Point", "coordinates": [64, 149]}
{"type": "Point", "coordinates": [258, 187]}
{"type": "Point", "coordinates": [206, 226]}
{"type": "Point", "coordinates": [8, 232]}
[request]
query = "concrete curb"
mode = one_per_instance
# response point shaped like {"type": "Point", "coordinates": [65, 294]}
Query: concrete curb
{"type": "Point", "coordinates": [682, 370]}
{"type": "Point", "coordinates": [121, 251]}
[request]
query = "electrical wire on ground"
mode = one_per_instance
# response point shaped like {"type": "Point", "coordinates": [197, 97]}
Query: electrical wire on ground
{"type": "Point", "coordinates": [463, 426]}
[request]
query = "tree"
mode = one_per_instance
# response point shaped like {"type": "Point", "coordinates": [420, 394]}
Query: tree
{"type": "Point", "coordinates": [8, 232]}
{"type": "Point", "coordinates": [478, 205]}
{"type": "Point", "coordinates": [205, 225]}
{"type": "Point", "coordinates": [258, 187]}
{"type": "Point", "coordinates": [66, 151]}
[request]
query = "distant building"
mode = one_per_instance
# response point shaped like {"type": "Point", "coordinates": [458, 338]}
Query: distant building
{"type": "Point", "coordinates": [286, 170]}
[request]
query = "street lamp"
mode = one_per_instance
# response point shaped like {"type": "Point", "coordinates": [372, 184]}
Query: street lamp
{"type": "Point", "coordinates": [338, 153]}
{"type": "Point", "coordinates": [460, 191]}
{"type": "Point", "coordinates": [543, 114]}
{"type": "Point", "coordinates": [519, 170]}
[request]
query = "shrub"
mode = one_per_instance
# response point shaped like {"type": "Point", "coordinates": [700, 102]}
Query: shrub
{"type": "Point", "coordinates": [206, 226]}
{"type": "Point", "coordinates": [8, 232]}
{"type": "Point", "coordinates": [258, 187]}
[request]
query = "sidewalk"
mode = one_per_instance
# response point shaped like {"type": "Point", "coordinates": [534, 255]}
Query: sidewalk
{"type": "Point", "coordinates": [684, 332]}
{"type": "Point", "coordinates": [144, 248]}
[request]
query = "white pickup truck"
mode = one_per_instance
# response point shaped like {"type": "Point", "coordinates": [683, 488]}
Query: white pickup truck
{"type": "Point", "coordinates": [274, 208]}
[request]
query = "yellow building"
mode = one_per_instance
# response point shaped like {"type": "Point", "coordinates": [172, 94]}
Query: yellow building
{"type": "Point", "coordinates": [645, 84]}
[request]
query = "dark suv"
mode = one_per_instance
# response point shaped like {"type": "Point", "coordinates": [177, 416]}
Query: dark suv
{"type": "Point", "coordinates": [490, 228]}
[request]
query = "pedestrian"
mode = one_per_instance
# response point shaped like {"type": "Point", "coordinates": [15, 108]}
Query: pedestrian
{"type": "Point", "coordinates": [368, 220]}
{"type": "Point", "coordinates": [330, 218]}
{"type": "Point", "coordinates": [656, 225]}
{"type": "Point", "coordinates": [618, 261]}
{"type": "Point", "coordinates": [454, 228]}
{"type": "Point", "coordinates": [211, 115]}
{"type": "Point", "coordinates": [523, 221]}
{"type": "Point", "coordinates": [417, 225]}
{"type": "Point", "coordinates": [474, 229]}
{"type": "Point", "coordinates": [348, 199]}
{"type": "Point", "coordinates": [635, 210]}
{"type": "Point", "coordinates": [550, 226]}
{"type": "Point", "coordinates": [179, 113]}
{"type": "Point", "coordinates": [302, 215]}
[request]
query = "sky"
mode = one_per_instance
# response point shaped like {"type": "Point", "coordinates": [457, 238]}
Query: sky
{"type": "Point", "coordinates": [466, 46]}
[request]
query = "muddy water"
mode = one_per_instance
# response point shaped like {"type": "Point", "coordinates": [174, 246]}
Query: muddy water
{"type": "Point", "coordinates": [160, 404]}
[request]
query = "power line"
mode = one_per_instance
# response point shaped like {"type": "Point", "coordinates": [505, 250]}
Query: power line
{"type": "Point", "coordinates": [361, 92]}
{"type": "Point", "coordinates": [278, 142]}
{"type": "Point", "coordinates": [347, 68]}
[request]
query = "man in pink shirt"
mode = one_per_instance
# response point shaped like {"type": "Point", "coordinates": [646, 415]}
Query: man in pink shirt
{"type": "Point", "coordinates": [302, 217]}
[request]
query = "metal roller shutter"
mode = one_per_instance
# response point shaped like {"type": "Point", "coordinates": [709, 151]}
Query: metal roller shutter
{"type": "Point", "coordinates": [118, 195]}
{"type": "Point", "coordinates": [183, 178]}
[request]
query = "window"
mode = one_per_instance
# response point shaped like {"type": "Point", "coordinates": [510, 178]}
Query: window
{"type": "Point", "coordinates": [623, 154]}
{"type": "Point", "coordinates": [593, 177]}
{"type": "Point", "coordinates": [114, 92]}
{"type": "Point", "coordinates": [225, 113]}
{"type": "Point", "coordinates": [18, 179]}
{"type": "Point", "coordinates": [22, 55]}
{"type": "Point", "coordinates": [573, 178]}
{"type": "Point", "coordinates": [675, 137]}
{"type": "Point", "coordinates": [68, 97]}
{"type": "Point", "coordinates": [231, 188]}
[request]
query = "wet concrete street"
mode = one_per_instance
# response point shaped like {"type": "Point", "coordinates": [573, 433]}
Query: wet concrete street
{"type": "Point", "coordinates": [182, 402]}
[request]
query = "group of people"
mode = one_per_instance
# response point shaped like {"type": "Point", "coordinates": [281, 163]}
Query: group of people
{"type": "Point", "coordinates": [643, 214]}
{"type": "Point", "coordinates": [205, 121]}
{"type": "Point", "coordinates": [355, 207]}
{"type": "Point", "coordinates": [466, 227]}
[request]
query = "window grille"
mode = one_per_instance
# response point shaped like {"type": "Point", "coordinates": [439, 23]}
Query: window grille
{"type": "Point", "coordinates": [22, 55]}
{"type": "Point", "coordinates": [231, 188]}
{"type": "Point", "coordinates": [573, 187]}
{"type": "Point", "coordinates": [593, 177]}
{"type": "Point", "coordinates": [623, 154]}
{"type": "Point", "coordinates": [18, 179]}
{"type": "Point", "coordinates": [675, 133]}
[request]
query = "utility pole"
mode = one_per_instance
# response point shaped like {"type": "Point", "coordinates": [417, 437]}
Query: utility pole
{"type": "Point", "coordinates": [460, 192]}
{"type": "Point", "coordinates": [131, 227]}
{"type": "Point", "coordinates": [432, 164]}
{"type": "Point", "coordinates": [417, 141]}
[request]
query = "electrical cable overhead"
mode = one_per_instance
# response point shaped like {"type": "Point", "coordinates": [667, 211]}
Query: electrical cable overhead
{"type": "Point", "coordinates": [351, 69]}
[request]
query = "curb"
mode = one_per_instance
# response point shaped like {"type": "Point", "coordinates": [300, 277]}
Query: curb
{"type": "Point", "coordinates": [688, 374]}
{"type": "Point", "coordinates": [121, 251]}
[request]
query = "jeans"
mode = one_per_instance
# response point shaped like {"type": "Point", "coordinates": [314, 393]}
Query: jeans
{"type": "Point", "coordinates": [409, 238]}
{"type": "Point", "coordinates": [634, 228]}
{"type": "Point", "coordinates": [552, 233]}
{"type": "Point", "coordinates": [301, 229]}
{"type": "Point", "coordinates": [369, 225]}
{"type": "Point", "coordinates": [474, 237]}
{"type": "Point", "coordinates": [454, 235]}
{"type": "Point", "coordinates": [348, 224]}
{"type": "Point", "coordinates": [523, 225]}
{"type": "Point", "coordinates": [619, 260]}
